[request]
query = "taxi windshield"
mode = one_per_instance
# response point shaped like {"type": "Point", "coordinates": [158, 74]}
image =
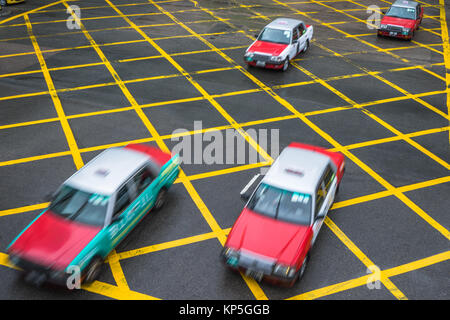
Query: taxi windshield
{"type": "Point", "coordinates": [80, 206]}
{"type": "Point", "coordinates": [402, 12]}
{"type": "Point", "coordinates": [281, 204]}
{"type": "Point", "coordinates": [275, 35]}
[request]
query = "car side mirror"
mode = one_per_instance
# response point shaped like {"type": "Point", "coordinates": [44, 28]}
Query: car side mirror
{"type": "Point", "coordinates": [383, 11]}
{"type": "Point", "coordinates": [245, 196]}
{"type": "Point", "coordinates": [247, 191]}
{"type": "Point", "coordinates": [256, 36]}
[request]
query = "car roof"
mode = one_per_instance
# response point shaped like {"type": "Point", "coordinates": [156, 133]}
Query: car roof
{"type": "Point", "coordinates": [108, 171]}
{"type": "Point", "coordinates": [284, 23]}
{"type": "Point", "coordinates": [297, 170]}
{"type": "Point", "coordinates": [405, 4]}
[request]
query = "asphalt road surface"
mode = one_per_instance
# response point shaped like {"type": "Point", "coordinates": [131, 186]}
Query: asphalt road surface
{"type": "Point", "coordinates": [69, 91]}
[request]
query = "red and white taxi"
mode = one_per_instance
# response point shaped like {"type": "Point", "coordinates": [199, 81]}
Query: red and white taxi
{"type": "Point", "coordinates": [279, 224]}
{"type": "Point", "coordinates": [278, 43]}
{"type": "Point", "coordinates": [401, 20]}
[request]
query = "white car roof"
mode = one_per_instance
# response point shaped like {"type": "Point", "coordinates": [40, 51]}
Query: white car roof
{"type": "Point", "coordinates": [108, 171]}
{"type": "Point", "coordinates": [297, 170]}
{"type": "Point", "coordinates": [405, 4]}
{"type": "Point", "coordinates": [284, 23]}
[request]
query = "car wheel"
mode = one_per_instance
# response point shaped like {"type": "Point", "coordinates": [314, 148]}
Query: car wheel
{"type": "Point", "coordinates": [301, 272]}
{"type": "Point", "coordinates": [160, 199]}
{"type": "Point", "coordinates": [306, 46]}
{"type": "Point", "coordinates": [93, 270]}
{"type": "Point", "coordinates": [285, 64]}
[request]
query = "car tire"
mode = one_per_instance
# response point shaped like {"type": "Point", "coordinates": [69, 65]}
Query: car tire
{"type": "Point", "coordinates": [93, 270]}
{"type": "Point", "coordinates": [306, 46]}
{"type": "Point", "coordinates": [160, 199]}
{"type": "Point", "coordinates": [301, 272]}
{"type": "Point", "coordinates": [285, 64]}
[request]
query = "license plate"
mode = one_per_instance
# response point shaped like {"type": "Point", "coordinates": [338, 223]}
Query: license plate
{"type": "Point", "coordinates": [260, 63]}
{"type": "Point", "coordinates": [392, 33]}
{"type": "Point", "coordinates": [257, 275]}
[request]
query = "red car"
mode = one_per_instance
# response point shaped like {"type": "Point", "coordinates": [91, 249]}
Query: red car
{"type": "Point", "coordinates": [401, 20]}
{"type": "Point", "coordinates": [279, 224]}
{"type": "Point", "coordinates": [278, 43]}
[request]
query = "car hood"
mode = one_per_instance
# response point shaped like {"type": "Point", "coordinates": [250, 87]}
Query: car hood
{"type": "Point", "coordinates": [53, 241]}
{"type": "Point", "coordinates": [407, 23]}
{"type": "Point", "coordinates": [272, 238]}
{"type": "Point", "coordinates": [272, 48]}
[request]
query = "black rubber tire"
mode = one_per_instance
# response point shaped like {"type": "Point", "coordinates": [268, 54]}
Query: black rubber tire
{"type": "Point", "coordinates": [306, 46]}
{"type": "Point", "coordinates": [93, 270]}
{"type": "Point", "coordinates": [160, 199]}
{"type": "Point", "coordinates": [285, 64]}
{"type": "Point", "coordinates": [301, 272]}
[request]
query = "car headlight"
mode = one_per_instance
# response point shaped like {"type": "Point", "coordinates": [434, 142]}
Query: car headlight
{"type": "Point", "coordinates": [248, 56]}
{"type": "Point", "coordinates": [406, 30]}
{"type": "Point", "coordinates": [231, 256]}
{"type": "Point", "coordinates": [283, 270]}
{"type": "Point", "coordinates": [275, 58]}
{"type": "Point", "coordinates": [383, 26]}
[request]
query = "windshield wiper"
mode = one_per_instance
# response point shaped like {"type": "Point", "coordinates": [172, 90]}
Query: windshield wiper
{"type": "Point", "coordinates": [77, 213]}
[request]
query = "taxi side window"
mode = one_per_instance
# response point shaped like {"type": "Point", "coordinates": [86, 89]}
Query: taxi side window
{"type": "Point", "coordinates": [295, 35]}
{"type": "Point", "coordinates": [418, 11]}
{"type": "Point", "coordinates": [301, 29]}
{"type": "Point", "coordinates": [122, 200]}
{"type": "Point", "coordinates": [320, 196]}
{"type": "Point", "coordinates": [142, 180]}
{"type": "Point", "coordinates": [328, 178]}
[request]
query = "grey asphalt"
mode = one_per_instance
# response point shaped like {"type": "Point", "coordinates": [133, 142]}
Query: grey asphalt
{"type": "Point", "coordinates": [386, 230]}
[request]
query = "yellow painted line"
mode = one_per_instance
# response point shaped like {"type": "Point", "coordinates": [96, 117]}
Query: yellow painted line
{"type": "Point", "coordinates": [395, 138]}
{"type": "Point", "coordinates": [4, 261]}
{"type": "Point", "coordinates": [191, 80]}
{"type": "Point", "coordinates": [115, 292]}
{"type": "Point", "coordinates": [28, 123]}
{"type": "Point", "coordinates": [331, 289]}
{"type": "Point", "coordinates": [116, 269]}
{"type": "Point", "coordinates": [31, 11]}
{"type": "Point", "coordinates": [422, 263]}
{"type": "Point", "coordinates": [387, 282]}
{"type": "Point", "coordinates": [35, 158]}
{"type": "Point", "coordinates": [387, 193]}
{"type": "Point", "coordinates": [166, 245]}
{"type": "Point", "coordinates": [357, 282]}
{"type": "Point", "coordinates": [39, 206]}
{"type": "Point", "coordinates": [254, 287]}
{"type": "Point", "coordinates": [446, 48]}
{"type": "Point", "coordinates": [363, 258]}
{"type": "Point", "coordinates": [114, 262]}
{"type": "Point", "coordinates": [57, 103]}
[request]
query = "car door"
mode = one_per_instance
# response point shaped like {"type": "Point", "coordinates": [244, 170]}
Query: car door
{"type": "Point", "coordinates": [120, 215]}
{"type": "Point", "coordinates": [319, 209]}
{"type": "Point", "coordinates": [325, 194]}
{"type": "Point", "coordinates": [302, 36]}
{"type": "Point", "coordinates": [419, 11]}
{"type": "Point", "coordinates": [295, 41]}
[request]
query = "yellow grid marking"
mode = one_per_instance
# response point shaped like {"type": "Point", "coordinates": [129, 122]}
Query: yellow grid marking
{"type": "Point", "coordinates": [57, 103]}
{"type": "Point", "coordinates": [357, 282]}
{"type": "Point", "coordinates": [363, 258]}
{"type": "Point", "coordinates": [446, 47]}
{"type": "Point", "coordinates": [116, 292]}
